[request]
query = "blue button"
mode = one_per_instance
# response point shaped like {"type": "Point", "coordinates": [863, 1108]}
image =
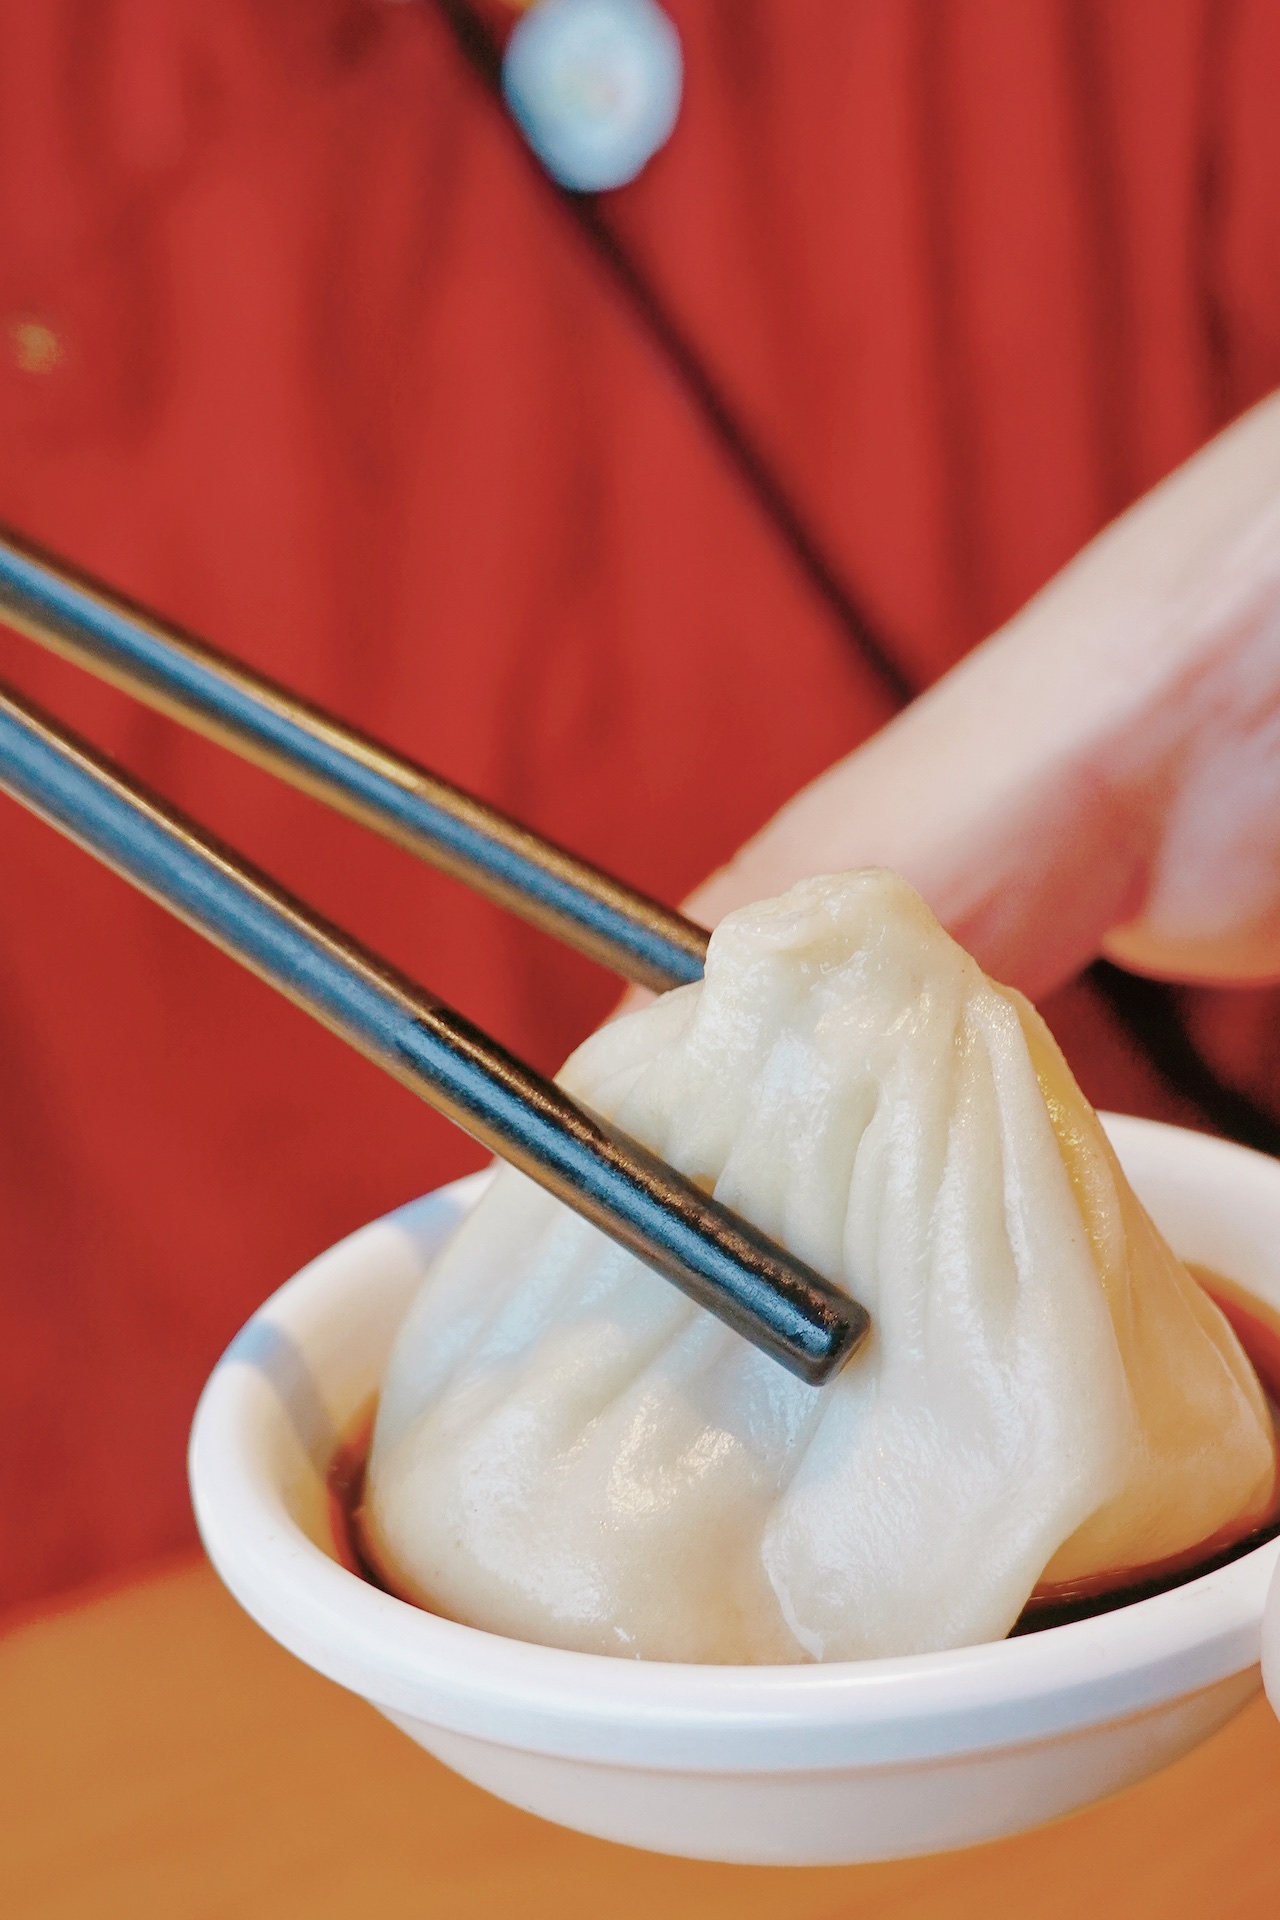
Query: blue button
{"type": "Point", "coordinates": [595, 87]}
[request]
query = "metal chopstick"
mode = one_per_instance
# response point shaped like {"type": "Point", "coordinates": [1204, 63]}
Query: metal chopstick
{"type": "Point", "coordinates": [181, 676]}
{"type": "Point", "coordinates": [776, 1301]}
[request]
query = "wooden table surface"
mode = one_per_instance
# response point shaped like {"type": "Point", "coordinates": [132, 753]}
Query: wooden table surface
{"type": "Point", "coordinates": [160, 1756]}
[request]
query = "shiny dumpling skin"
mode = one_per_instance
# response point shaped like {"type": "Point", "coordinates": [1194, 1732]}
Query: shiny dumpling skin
{"type": "Point", "coordinates": [566, 1451]}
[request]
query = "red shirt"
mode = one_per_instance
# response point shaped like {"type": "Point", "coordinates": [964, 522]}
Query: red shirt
{"type": "Point", "coordinates": [300, 347]}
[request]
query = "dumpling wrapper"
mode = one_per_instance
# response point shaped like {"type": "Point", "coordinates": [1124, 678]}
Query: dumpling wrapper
{"type": "Point", "coordinates": [567, 1451]}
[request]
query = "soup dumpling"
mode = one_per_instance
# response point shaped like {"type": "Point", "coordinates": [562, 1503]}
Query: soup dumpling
{"type": "Point", "coordinates": [568, 1451]}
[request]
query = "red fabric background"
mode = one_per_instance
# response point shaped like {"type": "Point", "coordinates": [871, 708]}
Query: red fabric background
{"type": "Point", "coordinates": [341, 387]}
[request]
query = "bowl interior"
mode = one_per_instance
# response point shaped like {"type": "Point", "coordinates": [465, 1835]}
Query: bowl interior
{"type": "Point", "coordinates": [325, 1373]}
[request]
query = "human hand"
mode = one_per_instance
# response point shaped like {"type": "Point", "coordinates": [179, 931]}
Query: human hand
{"type": "Point", "coordinates": [1103, 774]}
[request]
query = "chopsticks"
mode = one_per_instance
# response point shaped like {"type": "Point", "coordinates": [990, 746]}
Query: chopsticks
{"type": "Point", "coordinates": [774, 1300]}
{"type": "Point", "coordinates": [173, 671]}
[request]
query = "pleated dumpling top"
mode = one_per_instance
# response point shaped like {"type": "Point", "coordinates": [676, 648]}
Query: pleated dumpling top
{"type": "Point", "coordinates": [568, 1452]}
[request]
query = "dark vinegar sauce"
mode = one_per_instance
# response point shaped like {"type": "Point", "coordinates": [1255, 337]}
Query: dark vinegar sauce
{"type": "Point", "coordinates": [1256, 1328]}
{"type": "Point", "coordinates": [345, 1484]}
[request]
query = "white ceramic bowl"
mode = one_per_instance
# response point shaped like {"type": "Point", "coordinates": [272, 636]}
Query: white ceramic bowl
{"type": "Point", "coordinates": [862, 1760]}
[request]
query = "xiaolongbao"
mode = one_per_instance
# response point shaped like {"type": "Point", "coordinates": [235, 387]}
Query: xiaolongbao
{"type": "Point", "coordinates": [567, 1451]}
